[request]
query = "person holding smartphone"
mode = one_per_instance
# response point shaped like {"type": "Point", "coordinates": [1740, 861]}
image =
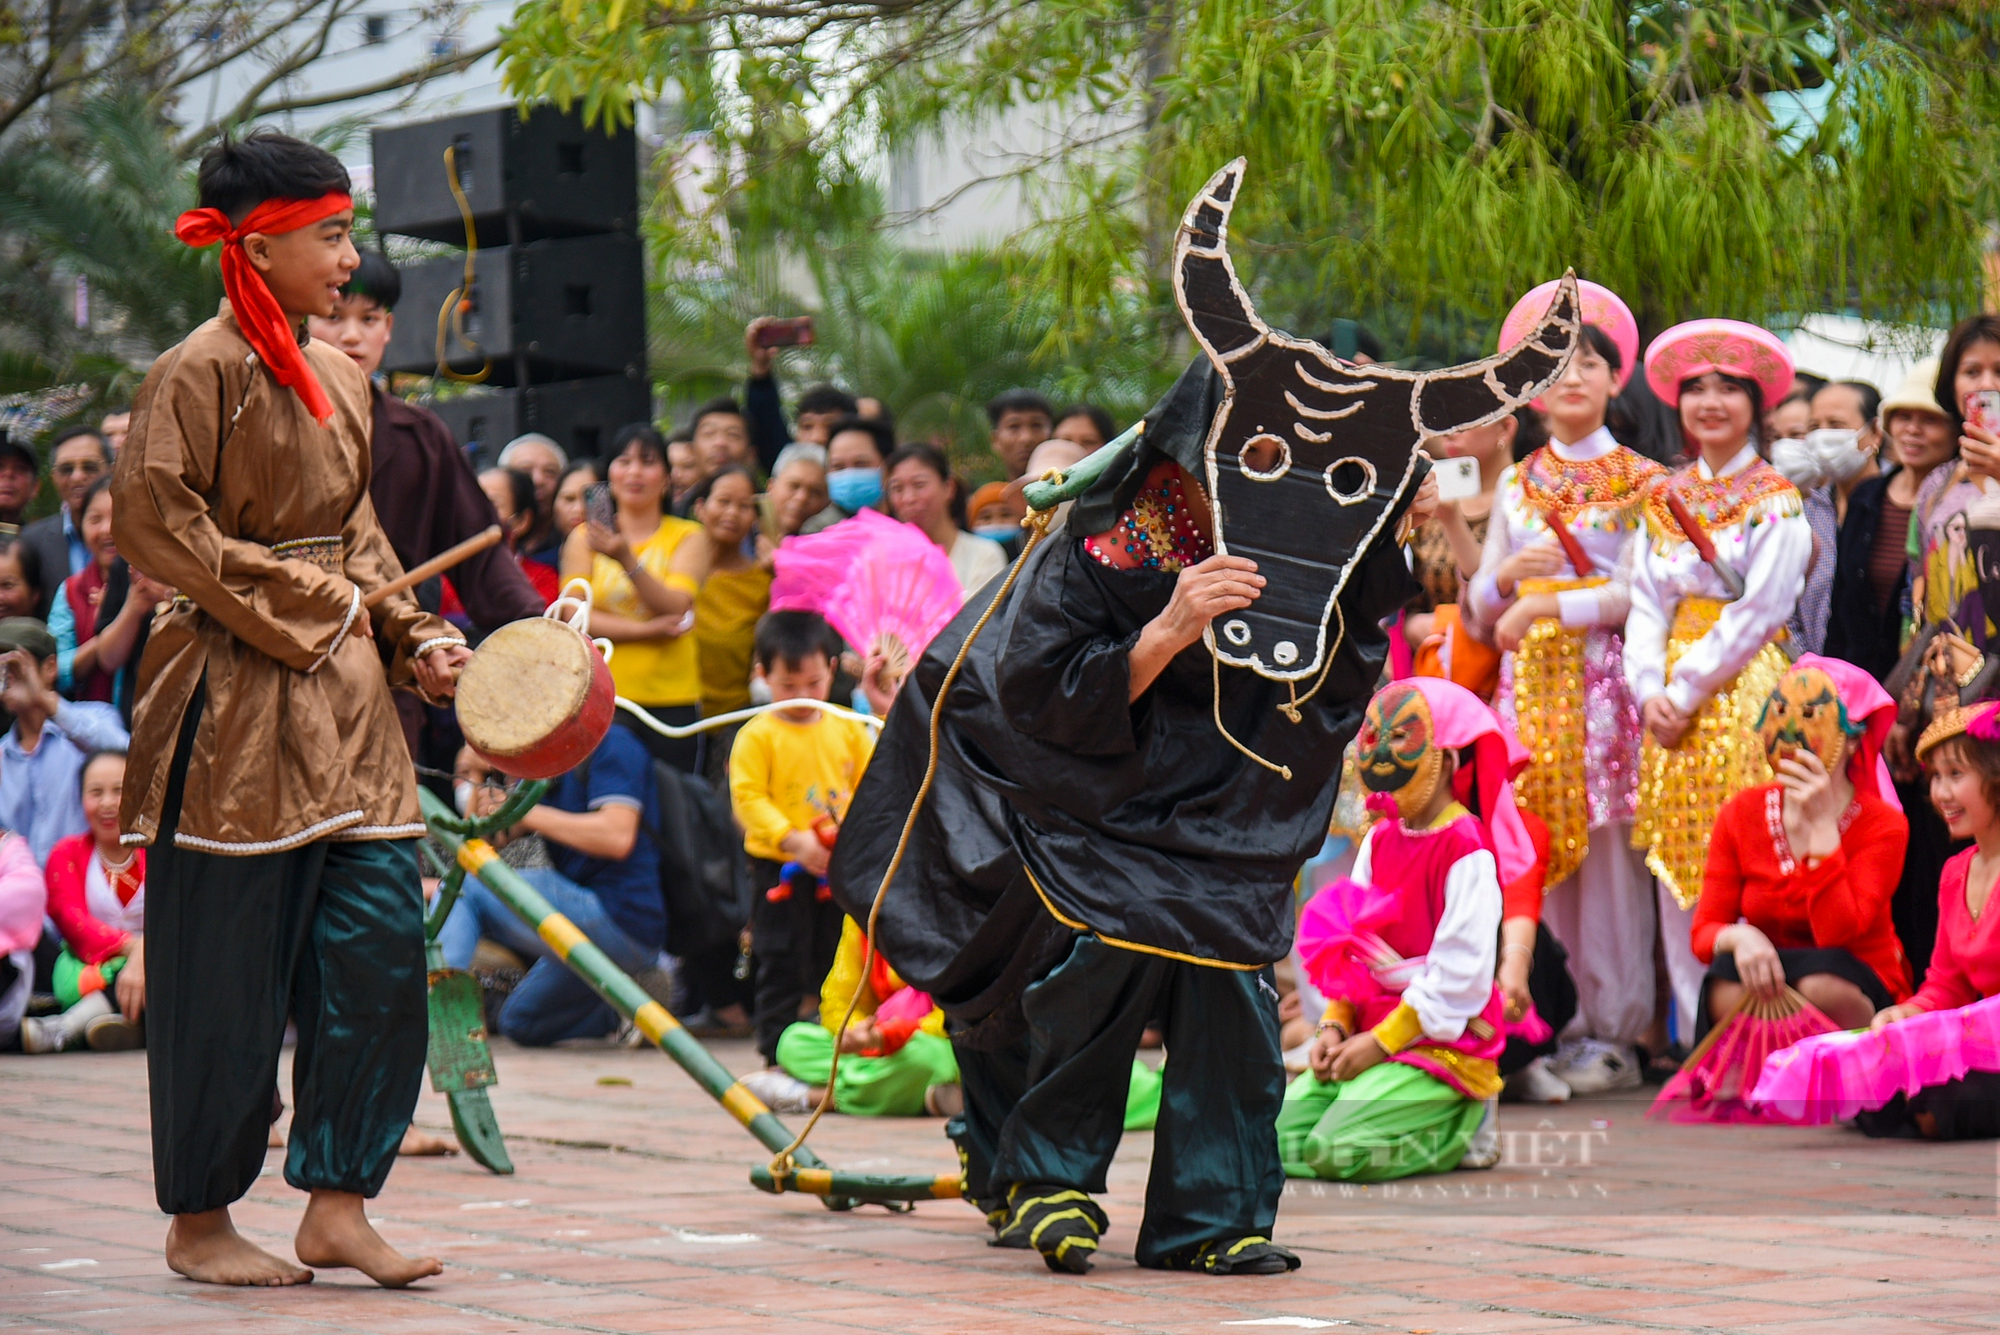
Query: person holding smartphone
{"type": "Point", "coordinates": [645, 567]}
{"type": "Point", "coordinates": [1552, 592]}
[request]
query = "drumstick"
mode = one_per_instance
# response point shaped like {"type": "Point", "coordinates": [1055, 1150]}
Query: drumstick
{"type": "Point", "coordinates": [1578, 558]}
{"type": "Point", "coordinates": [1703, 546]}
{"type": "Point", "coordinates": [438, 564]}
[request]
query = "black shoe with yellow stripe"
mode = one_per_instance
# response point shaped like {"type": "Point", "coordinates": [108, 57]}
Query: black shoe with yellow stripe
{"type": "Point", "coordinates": [1061, 1223]}
{"type": "Point", "coordinates": [993, 1207]}
{"type": "Point", "coordinates": [1233, 1256]}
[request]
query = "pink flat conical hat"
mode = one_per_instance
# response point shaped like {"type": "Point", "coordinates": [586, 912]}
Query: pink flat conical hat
{"type": "Point", "coordinates": [1601, 307]}
{"type": "Point", "coordinates": [1729, 346]}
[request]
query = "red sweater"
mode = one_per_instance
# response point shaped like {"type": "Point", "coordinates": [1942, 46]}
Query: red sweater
{"type": "Point", "coordinates": [1844, 901]}
{"type": "Point", "coordinates": [88, 939]}
{"type": "Point", "coordinates": [1965, 962]}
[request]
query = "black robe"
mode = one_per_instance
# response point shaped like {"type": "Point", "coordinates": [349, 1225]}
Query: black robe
{"type": "Point", "coordinates": [1058, 807]}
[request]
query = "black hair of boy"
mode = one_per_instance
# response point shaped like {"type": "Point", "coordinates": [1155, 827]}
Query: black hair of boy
{"type": "Point", "coordinates": [718, 407]}
{"type": "Point", "coordinates": [826, 399]}
{"type": "Point", "coordinates": [787, 639]}
{"type": "Point", "coordinates": [883, 435]}
{"type": "Point", "coordinates": [236, 175]}
{"type": "Point", "coordinates": [1106, 425]}
{"type": "Point", "coordinates": [376, 279]}
{"type": "Point", "coordinates": [1019, 401]}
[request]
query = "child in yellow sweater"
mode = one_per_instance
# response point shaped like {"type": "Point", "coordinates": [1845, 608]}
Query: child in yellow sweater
{"type": "Point", "coordinates": [792, 773]}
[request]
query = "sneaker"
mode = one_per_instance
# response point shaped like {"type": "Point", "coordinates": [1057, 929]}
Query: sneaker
{"type": "Point", "coordinates": [781, 1092]}
{"type": "Point", "coordinates": [43, 1035]}
{"type": "Point", "coordinates": [113, 1033]}
{"type": "Point", "coordinates": [946, 1100]}
{"type": "Point", "coordinates": [1484, 1151]}
{"type": "Point", "coordinates": [1536, 1083]}
{"type": "Point", "coordinates": [1597, 1067]}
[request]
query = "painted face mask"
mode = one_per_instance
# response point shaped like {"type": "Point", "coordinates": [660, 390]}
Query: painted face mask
{"type": "Point", "coordinates": [1804, 713]}
{"type": "Point", "coordinates": [1307, 455]}
{"type": "Point", "coordinates": [1396, 751]}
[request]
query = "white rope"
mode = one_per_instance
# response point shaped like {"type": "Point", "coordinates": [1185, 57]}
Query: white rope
{"type": "Point", "coordinates": [738, 715]}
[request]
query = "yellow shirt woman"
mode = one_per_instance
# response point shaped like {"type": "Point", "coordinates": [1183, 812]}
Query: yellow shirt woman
{"type": "Point", "coordinates": [663, 672]}
{"type": "Point", "coordinates": [725, 632]}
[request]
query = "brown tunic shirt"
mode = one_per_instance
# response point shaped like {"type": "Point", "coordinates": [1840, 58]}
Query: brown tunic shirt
{"type": "Point", "coordinates": [229, 491]}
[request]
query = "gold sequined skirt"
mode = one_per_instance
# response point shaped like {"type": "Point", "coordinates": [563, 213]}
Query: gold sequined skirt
{"type": "Point", "coordinates": [1549, 707]}
{"type": "Point", "coordinates": [1681, 791]}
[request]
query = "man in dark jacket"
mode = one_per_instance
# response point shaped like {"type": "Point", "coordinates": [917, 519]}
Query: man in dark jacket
{"type": "Point", "coordinates": [77, 458]}
{"type": "Point", "coordinates": [425, 492]}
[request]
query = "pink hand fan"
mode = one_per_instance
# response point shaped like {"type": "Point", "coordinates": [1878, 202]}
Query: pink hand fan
{"type": "Point", "coordinates": [1714, 1084]}
{"type": "Point", "coordinates": [807, 569]}
{"type": "Point", "coordinates": [898, 593]}
{"type": "Point", "coordinates": [1339, 940]}
{"type": "Point", "coordinates": [1832, 1077]}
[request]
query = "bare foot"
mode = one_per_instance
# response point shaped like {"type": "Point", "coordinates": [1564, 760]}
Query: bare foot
{"type": "Point", "coordinates": [336, 1232]}
{"type": "Point", "coordinates": [422, 1143]}
{"type": "Point", "coordinates": [207, 1248]}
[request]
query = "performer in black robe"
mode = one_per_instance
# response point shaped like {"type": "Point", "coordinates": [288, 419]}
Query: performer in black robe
{"type": "Point", "coordinates": [1090, 857]}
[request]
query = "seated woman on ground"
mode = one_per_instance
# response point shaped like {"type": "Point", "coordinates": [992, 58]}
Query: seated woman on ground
{"type": "Point", "coordinates": [1964, 765]}
{"type": "Point", "coordinates": [1801, 872]}
{"type": "Point", "coordinates": [100, 614]}
{"type": "Point", "coordinates": [97, 897]}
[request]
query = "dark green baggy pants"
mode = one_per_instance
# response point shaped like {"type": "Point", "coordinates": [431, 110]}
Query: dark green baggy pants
{"type": "Point", "coordinates": [1052, 1108]}
{"type": "Point", "coordinates": [330, 934]}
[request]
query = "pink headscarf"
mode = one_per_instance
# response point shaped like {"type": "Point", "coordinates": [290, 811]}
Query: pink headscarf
{"type": "Point", "coordinates": [1869, 705]}
{"type": "Point", "coordinates": [1459, 719]}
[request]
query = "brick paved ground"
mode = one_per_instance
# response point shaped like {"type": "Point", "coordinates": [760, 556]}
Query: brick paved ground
{"type": "Point", "coordinates": [630, 1212]}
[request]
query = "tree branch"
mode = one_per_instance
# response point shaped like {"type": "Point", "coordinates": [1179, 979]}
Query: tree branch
{"type": "Point", "coordinates": [457, 64]}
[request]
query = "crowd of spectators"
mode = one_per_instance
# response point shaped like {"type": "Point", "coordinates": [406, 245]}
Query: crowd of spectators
{"type": "Point", "coordinates": [674, 534]}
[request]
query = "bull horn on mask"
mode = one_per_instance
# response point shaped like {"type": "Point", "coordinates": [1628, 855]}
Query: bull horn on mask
{"type": "Point", "coordinates": [1308, 457]}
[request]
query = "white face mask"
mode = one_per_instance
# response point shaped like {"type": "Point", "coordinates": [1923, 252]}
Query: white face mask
{"type": "Point", "coordinates": [1839, 452]}
{"type": "Point", "coordinates": [760, 691]}
{"type": "Point", "coordinates": [1801, 467]}
{"type": "Point", "coordinates": [461, 796]}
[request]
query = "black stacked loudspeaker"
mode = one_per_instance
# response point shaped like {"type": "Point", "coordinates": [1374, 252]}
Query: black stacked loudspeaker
{"type": "Point", "coordinates": [556, 311]}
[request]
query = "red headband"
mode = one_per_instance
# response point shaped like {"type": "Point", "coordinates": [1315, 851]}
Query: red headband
{"type": "Point", "coordinates": [257, 311]}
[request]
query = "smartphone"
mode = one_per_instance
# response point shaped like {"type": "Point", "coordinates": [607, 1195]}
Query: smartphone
{"type": "Point", "coordinates": [1982, 409]}
{"type": "Point", "coordinates": [1457, 478]}
{"type": "Point", "coordinates": [597, 505]}
{"type": "Point", "coordinates": [785, 333]}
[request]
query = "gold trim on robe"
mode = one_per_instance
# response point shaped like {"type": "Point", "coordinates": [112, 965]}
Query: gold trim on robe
{"type": "Point", "coordinates": [1682, 790]}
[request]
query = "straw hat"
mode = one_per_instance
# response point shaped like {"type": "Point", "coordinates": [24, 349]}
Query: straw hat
{"type": "Point", "coordinates": [1955, 720]}
{"type": "Point", "coordinates": [1917, 393]}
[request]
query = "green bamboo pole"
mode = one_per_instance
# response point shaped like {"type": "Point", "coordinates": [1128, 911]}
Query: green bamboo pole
{"type": "Point", "coordinates": [658, 1024]}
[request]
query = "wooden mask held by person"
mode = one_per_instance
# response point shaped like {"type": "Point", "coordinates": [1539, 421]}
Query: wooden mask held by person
{"type": "Point", "coordinates": [1307, 454]}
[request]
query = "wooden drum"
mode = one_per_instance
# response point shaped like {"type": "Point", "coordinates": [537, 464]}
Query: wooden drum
{"type": "Point", "coordinates": [536, 699]}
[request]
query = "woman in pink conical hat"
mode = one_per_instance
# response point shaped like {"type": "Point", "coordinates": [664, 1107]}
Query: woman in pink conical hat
{"type": "Point", "coordinates": [1708, 611]}
{"type": "Point", "coordinates": [1562, 688]}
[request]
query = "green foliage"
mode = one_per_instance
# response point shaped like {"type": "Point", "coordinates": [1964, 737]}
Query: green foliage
{"type": "Point", "coordinates": [1418, 163]}
{"type": "Point", "coordinates": [933, 336]}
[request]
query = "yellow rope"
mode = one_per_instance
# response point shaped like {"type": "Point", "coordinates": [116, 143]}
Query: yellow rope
{"type": "Point", "coordinates": [1290, 708]}
{"type": "Point", "coordinates": [1037, 524]}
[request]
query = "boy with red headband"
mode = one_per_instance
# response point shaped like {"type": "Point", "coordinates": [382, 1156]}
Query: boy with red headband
{"type": "Point", "coordinates": [267, 772]}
